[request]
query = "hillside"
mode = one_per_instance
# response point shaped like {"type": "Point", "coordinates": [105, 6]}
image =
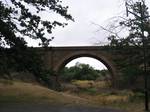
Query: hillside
{"type": "Point", "coordinates": [16, 92]}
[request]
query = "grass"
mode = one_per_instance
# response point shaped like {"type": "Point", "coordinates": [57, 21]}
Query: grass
{"type": "Point", "coordinates": [101, 94]}
{"type": "Point", "coordinates": [89, 84]}
{"type": "Point", "coordinates": [15, 92]}
{"type": "Point", "coordinates": [18, 92]}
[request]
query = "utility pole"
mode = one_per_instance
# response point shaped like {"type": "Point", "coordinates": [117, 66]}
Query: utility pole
{"type": "Point", "coordinates": [144, 44]}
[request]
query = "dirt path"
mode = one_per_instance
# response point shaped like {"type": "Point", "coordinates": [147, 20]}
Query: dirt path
{"type": "Point", "coordinates": [49, 108]}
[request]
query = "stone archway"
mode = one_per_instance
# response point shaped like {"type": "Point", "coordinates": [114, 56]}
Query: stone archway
{"type": "Point", "coordinates": [57, 57]}
{"type": "Point", "coordinates": [99, 57]}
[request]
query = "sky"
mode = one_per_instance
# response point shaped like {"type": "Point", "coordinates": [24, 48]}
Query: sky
{"type": "Point", "coordinates": [86, 13]}
{"type": "Point", "coordinates": [84, 31]}
{"type": "Point", "coordinates": [86, 60]}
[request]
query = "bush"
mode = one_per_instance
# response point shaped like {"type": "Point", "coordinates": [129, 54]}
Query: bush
{"type": "Point", "coordinates": [79, 72]}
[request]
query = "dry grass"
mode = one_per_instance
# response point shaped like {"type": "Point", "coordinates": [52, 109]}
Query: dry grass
{"type": "Point", "coordinates": [26, 92]}
{"type": "Point", "coordinates": [104, 96]}
{"type": "Point", "coordinates": [108, 98]}
{"type": "Point", "coordinates": [83, 83]}
{"type": "Point", "coordinates": [88, 84]}
{"type": "Point", "coordinates": [118, 101]}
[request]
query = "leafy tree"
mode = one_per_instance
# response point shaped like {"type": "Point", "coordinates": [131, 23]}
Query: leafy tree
{"type": "Point", "coordinates": [21, 19]}
{"type": "Point", "coordinates": [79, 72]}
{"type": "Point", "coordinates": [138, 24]}
{"type": "Point", "coordinates": [86, 72]}
{"type": "Point", "coordinates": [136, 42]}
{"type": "Point", "coordinates": [67, 74]}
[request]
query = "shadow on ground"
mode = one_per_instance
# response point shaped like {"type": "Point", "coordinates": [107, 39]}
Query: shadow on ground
{"type": "Point", "coordinates": [17, 107]}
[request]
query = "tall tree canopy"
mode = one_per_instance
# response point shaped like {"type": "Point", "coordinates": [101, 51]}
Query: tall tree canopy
{"type": "Point", "coordinates": [135, 45]}
{"type": "Point", "coordinates": [80, 72]}
{"type": "Point", "coordinates": [22, 18]}
{"type": "Point", "coordinates": [137, 22]}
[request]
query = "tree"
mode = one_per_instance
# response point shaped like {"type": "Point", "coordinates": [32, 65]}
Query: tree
{"type": "Point", "coordinates": [79, 72]}
{"type": "Point", "coordinates": [144, 27]}
{"type": "Point", "coordinates": [135, 44]}
{"type": "Point", "coordinates": [138, 23]}
{"type": "Point", "coordinates": [21, 19]}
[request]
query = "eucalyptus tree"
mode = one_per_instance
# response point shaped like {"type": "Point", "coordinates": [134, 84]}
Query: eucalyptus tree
{"type": "Point", "coordinates": [137, 40]}
{"type": "Point", "coordinates": [22, 19]}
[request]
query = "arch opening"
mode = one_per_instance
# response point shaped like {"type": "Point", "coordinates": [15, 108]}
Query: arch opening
{"type": "Point", "coordinates": [86, 67]}
{"type": "Point", "coordinates": [96, 64]}
{"type": "Point", "coordinates": [103, 64]}
{"type": "Point", "coordinates": [73, 78]}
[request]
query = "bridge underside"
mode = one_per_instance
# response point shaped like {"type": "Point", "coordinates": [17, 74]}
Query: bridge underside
{"type": "Point", "coordinates": [57, 57]}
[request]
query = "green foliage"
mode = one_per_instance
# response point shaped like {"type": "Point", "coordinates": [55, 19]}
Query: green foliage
{"type": "Point", "coordinates": [28, 60]}
{"type": "Point", "coordinates": [130, 75]}
{"type": "Point", "coordinates": [91, 91]}
{"type": "Point", "coordinates": [21, 19]}
{"type": "Point", "coordinates": [67, 74]}
{"type": "Point", "coordinates": [137, 22]}
{"type": "Point", "coordinates": [133, 46]}
{"type": "Point", "coordinates": [80, 72]}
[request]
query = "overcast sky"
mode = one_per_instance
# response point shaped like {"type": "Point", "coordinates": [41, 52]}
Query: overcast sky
{"type": "Point", "coordinates": [85, 12]}
{"type": "Point", "coordinates": [83, 32]}
{"type": "Point", "coordinates": [86, 60]}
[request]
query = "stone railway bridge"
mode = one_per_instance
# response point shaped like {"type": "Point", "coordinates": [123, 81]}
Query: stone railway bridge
{"type": "Point", "coordinates": [55, 58]}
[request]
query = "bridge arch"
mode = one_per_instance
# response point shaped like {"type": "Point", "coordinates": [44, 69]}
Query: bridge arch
{"type": "Point", "coordinates": [100, 57]}
{"type": "Point", "coordinates": [55, 58]}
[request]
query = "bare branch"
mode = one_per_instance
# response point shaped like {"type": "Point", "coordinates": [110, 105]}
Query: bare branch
{"type": "Point", "coordinates": [105, 29]}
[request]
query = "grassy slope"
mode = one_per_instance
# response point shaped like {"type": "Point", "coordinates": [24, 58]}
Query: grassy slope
{"type": "Point", "coordinates": [14, 92]}
{"type": "Point", "coordinates": [102, 95]}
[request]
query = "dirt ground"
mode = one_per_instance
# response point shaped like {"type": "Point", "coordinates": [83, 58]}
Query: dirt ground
{"type": "Point", "coordinates": [17, 107]}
